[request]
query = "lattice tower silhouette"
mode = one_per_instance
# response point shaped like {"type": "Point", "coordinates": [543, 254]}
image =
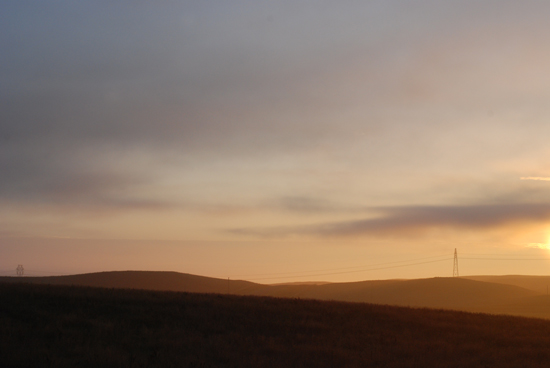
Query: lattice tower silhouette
{"type": "Point", "coordinates": [455, 265]}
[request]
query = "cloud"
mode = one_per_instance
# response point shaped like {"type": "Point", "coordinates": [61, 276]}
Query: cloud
{"type": "Point", "coordinates": [401, 221]}
{"type": "Point", "coordinates": [6, 234]}
{"type": "Point", "coordinates": [542, 178]}
{"type": "Point", "coordinates": [85, 84]}
{"type": "Point", "coordinates": [312, 205]}
{"type": "Point", "coordinates": [64, 178]}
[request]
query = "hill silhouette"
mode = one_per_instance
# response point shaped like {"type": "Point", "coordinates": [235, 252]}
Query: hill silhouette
{"type": "Point", "coordinates": [540, 284]}
{"type": "Point", "coordinates": [146, 280]}
{"type": "Point", "coordinates": [515, 295]}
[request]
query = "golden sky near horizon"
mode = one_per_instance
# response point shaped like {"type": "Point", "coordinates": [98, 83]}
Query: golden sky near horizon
{"type": "Point", "coordinates": [286, 141]}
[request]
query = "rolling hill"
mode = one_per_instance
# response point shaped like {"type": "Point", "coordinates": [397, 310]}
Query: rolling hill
{"type": "Point", "coordinates": [539, 284]}
{"type": "Point", "coordinates": [515, 295]}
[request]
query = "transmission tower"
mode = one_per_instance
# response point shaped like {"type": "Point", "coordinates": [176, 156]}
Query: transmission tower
{"type": "Point", "coordinates": [20, 270]}
{"type": "Point", "coordinates": [455, 265]}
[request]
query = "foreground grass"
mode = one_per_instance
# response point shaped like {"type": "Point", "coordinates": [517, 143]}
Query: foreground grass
{"type": "Point", "coordinates": [62, 326]}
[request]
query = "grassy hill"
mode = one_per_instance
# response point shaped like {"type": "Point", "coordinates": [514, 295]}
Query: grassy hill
{"type": "Point", "coordinates": [515, 295]}
{"type": "Point", "coordinates": [539, 284]}
{"type": "Point", "coordinates": [450, 293]}
{"type": "Point", "coordinates": [68, 326]}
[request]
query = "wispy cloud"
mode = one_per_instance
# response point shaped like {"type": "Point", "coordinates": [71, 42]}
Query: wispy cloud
{"type": "Point", "coordinates": [543, 178]}
{"type": "Point", "coordinates": [397, 221]}
{"type": "Point", "coordinates": [312, 205]}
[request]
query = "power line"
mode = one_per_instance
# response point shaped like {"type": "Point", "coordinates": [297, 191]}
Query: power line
{"type": "Point", "coordinates": [354, 269]}
{"type": "Point", "coordinates": [480, 254]}
{"type": "Point", "coordinates": [28, 272]}
{"type": "Point", "coordinates": [506, 259]}
{"type": "Point", "coordinates": [48, 272]}
{"type": "Point", "coordinates": [338, 269]}
{"type": "Point", "coordinates": [344, 272]}
{"type": "Point", "coordinates": [491, 254]}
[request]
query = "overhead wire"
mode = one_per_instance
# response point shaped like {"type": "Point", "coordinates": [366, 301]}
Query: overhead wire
{"type": "Point", "coordinates": [344, 272]}
{"type": "Point", "coordinates": [340, 268]}
{"type": "Point", "coordinates": [506, 259]}
{"type": "Point", "coordinates": [355, 269]}
{"type": "Point", "coordinates": [28, 272]}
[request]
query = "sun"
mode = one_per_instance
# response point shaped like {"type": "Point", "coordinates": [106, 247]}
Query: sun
{"type": "Point", "coordinates": [541, 245]}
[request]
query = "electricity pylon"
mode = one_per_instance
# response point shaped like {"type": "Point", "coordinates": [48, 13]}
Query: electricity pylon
{"type": "Point", "coordinates": [20, 270]}
{"type": "Point", "coordinates": [455, 265]}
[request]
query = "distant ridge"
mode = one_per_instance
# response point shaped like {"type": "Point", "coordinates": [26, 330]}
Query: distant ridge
{"type": "Point", "coordinates": [146, 280]}
{"type": "Point", "coordinates": [515, 295]}
{"type": "Point", "coordinates": [540, 284]}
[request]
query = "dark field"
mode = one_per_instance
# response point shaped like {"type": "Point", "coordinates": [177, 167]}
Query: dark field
{"type": "Point", "coordinates": [69, 326]}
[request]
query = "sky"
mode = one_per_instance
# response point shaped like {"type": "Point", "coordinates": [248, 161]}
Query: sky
{"type": "Point", "coordinates": [275, 141]}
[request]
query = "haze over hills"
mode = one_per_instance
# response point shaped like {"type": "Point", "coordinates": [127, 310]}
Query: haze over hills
{"type": "Point", "coordinates": [514, 295]}
{"type": "Point", "coordinates": [540, 284]}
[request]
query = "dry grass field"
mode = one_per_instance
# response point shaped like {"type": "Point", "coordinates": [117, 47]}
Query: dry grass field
{"type": "Point", "coordinates": [70, 326]}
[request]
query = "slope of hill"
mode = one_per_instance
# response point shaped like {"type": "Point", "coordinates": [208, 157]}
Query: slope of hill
{"type": "Point", "coordinates": [68, 326]}
{"type": "Point", "coordinates": [147, 280]}
{"type": "Point", "coordinates": [448, 293]}
{"type": "Point", "coordinates": [540, 284]}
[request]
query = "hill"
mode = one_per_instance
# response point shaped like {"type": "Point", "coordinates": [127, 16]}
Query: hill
{"type": "Point", "coordinates": [146, 280]}
{"type": "Point", "coordinates": [539, 284]}
{"type": "Point", "coordinates": [68, 326]}
{"type": "Point", "coordinates": [448, 293]}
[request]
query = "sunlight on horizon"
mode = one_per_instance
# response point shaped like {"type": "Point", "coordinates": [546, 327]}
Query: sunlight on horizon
{"type": "Point", "coordinates": [539, 178]}
{"type": "Point", "coordinates": [545, 246]}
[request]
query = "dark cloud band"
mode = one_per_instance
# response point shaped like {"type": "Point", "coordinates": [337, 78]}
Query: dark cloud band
{"type": "Point", "coordinates": [403, 220]}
